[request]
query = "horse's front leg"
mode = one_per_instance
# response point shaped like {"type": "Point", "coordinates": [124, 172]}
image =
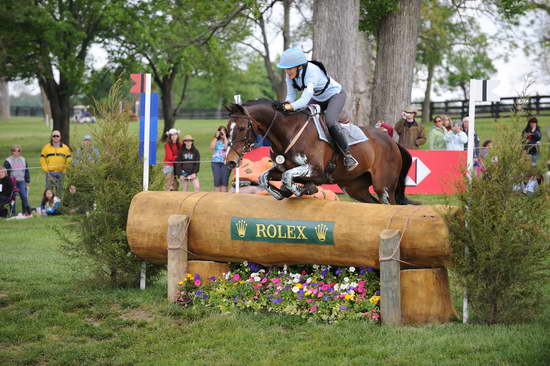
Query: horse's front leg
{"type": "Point", "coordinates": [302, 171]}
{"type": "Point", "coordinates": [268, 175]}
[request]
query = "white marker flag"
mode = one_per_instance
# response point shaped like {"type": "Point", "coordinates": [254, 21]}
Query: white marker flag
{"type": "Point", "coordinates": [483, 90]}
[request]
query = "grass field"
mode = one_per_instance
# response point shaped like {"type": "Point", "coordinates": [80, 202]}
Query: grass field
{"type": "Point", "coordinates": [50, 315]}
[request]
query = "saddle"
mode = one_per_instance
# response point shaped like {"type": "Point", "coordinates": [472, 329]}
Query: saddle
{"type": "Point", "coordinates": [354, 134]}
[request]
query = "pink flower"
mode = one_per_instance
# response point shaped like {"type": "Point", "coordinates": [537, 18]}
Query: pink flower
{"type": "Point", "coordinates": [320, 294]}
{"type": "Point", "coordinates": [236, 277]}
{"type": "Point", "coordinates": [257, 285]}
{"type": "Point", "coordinates": [309, 301]}
{"type": "Point", "coordinates": [264, 280]}
{"type": "Point", "coordinates": [197, 282]}
{"type": "Point", "coordinates": [275, 280]}
{"type": "Point", "coordinates": [313, 309]}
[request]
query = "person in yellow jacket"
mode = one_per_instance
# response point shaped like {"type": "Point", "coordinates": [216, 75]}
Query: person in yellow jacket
{"type": "Point", "coordinates": [54, 159]}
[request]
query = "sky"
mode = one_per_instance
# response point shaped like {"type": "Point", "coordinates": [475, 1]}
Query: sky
{"type": "Point", "coordinates": [513, 73]}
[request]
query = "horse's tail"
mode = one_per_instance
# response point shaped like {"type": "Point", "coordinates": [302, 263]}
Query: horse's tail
{"type": "Point", "coordinates": [406, 159]}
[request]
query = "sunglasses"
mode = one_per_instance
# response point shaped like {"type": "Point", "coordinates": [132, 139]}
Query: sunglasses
{"type": "Point", "coordinates": [17, 150]}
{"type": "Point", "coordinates": [56, 135]}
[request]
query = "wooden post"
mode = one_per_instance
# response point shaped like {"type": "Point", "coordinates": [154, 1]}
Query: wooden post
{"type": "Point", "coordinates": [177, 252]}
{"type": "Point", "coordinates": [390, 283]}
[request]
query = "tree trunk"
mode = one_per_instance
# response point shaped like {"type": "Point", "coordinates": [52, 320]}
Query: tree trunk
{"type": "Point", "coordinates": [4, 99]}
{"type": "Point", "coordinates": [281, 87]}
{"type": "Point", "coordinates": [166, 98]}
{"type": "Point", "coordinates": [60, 104]}
{"type": "Point", "coordinates": [395, 62]}
{"type": "Point", "coordinates": [335, 38]}
{"type": "Point", "coordinates": [46, 105]}
{"type": "Point", "coordinates": [428, 95]}
{"type": "Point", "coordinates": [464, 91]}
{"type": "Point", "coordinates": [361, 84]}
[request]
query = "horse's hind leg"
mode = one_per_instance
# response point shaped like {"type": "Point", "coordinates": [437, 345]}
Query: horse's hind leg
{"type": "Point", "coordinates": [385, 189]}
{"type": "Point", "coordinates": [358, 189]}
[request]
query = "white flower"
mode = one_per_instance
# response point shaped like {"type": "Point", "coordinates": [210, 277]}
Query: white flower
{"type": "Point", "coordinates": [295, 289]}
{"type": "Point", "coordinates": [315, 266]}
{"type": "Point", "coordinates": [257, 279]}
{"type": "Point", "coordinates": [351, 292]}
{"type": "Point", "coordinates": [284, 268]}
{"type": "Point", "coordinates": [245, 263]}
{"type": "Point", "coordinates": [262, 270]}
{"type": "Point", "coordinates": [336, 287]}
{"type": "Point", "coordinates": [353, 284]}
{"type": "Point", "coordinates": [227, 275]}
{"type": "Point", "coordinates": [352, 269]}
{"type": "Point", "coordinates": [296, 279]}
{"type": "Point", "coordinates": [308, 280]}
{"type": "Point", "coordinates": [346, 279]}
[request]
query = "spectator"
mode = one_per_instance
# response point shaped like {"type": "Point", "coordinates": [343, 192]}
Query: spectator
{"type": "Point", "coordinates": [436, 140]}
{"type": "Point", "coordinates": [446, 122]}
{"type": "Point", "coordinates": [16, 166]}
{"type": "Point", "coordinates": [71, 201]}
{"type": "Point", "coordinates": [386, 127]}
{"type": "Point", "coordinates": [456, 138]}
{"type": "Point", "coordinates": [6, 190]}
{"type": "Point", "coordinates": [51, 204]}
{"type": "Point", "coordinates": [188, 164]}
{"type": "Point", "coordinates": [411, 134]}
{"type": "Point", "coordinates": [54, 159]}
{"type": "Point", "coordinates": [531, 136]}
{"type": "Point", "coordinates": [87, 151]}
{"type": "Point", "coordinates": [465, 126]}
{"type": "Point", "coordinates": [218, 145]}
{"type": "Point", "coordinates": [479, 160]}
{"type": "Point", "coordinates": [171, 148]}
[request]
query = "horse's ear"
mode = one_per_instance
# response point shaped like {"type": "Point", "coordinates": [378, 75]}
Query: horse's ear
{"type": "Point", "coordinates": [235, 108]}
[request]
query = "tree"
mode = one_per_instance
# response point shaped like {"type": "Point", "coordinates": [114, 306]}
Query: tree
{"type": "Point", "coordinates": [397, 36]}
{"type": "Point", "coordinates": [343, 49]}
{"type": "Point", "coordinates": [468, 63]}
{"type": "Point", "coordinates": [177, 39]}
{"type": "Point", "coordinates": [49, 40]}
{"type": "Point", "coordinates": [4, 99]}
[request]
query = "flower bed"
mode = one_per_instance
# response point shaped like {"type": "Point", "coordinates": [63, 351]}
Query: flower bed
{"type": "Point", "coordinates": [322, 292]}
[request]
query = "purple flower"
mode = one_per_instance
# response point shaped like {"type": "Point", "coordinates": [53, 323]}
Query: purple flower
{"type": "Point", "coordinates": [235, 299]}
{"type": "Point", "coordinates": [370, 269]}
{"type": "Point", "coordinates": [213, 278]}
{"type": "Point", "coordinates": [343, 307]}
{"type": "Point", "coordinates": [324, 272]}
{"type": "Point", "coordinates": [287, 287]}
{"type": "Point", "coordinates": [205, 297]}
{"type": "Point", "coordinates": [197, 277]}
{"type": "Point", "coordinates": [254, 267]}
{"type": "Point", "coordinates": [338, 271]}
{"type": "Point", "coordinates": [326, 298]}
{"type": "Point", "coordinates": [377, 292]}
{"type": "Point", "coordinates": [300, 297]}
{"type": "Point", "coordinates": [362, 270]}
{"type": "Point", "coordinates": [198, 293]}
{"type": "Point", "coordinates": [277, 301]}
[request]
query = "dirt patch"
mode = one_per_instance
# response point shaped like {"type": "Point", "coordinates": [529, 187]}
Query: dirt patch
{"type": "Point", "coordinates": [3, 294]}
{"type": "Point", "coordinates": [138, 315]}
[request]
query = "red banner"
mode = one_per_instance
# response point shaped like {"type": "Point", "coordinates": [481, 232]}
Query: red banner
{"type": "Point", "coordinates": [431, 172]}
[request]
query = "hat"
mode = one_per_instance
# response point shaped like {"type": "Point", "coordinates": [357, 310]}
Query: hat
{"type": "Point", "coordinates": [188, 138]}
{"type": "Point", "coordinates": [410, 109]}
{"type": "Point", "coordinates": [172, 131]}
{"type": "Point", "coordinates": [292, 57]}
{"type": "Point", "coordinates": [87, 137]}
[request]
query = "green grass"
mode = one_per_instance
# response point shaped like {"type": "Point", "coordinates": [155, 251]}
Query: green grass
{"type": "Point", "coordinates": [50, 315]}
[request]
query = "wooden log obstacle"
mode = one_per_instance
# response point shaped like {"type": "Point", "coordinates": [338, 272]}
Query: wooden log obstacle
{"type": "Point", "coordinates": [225, 227]}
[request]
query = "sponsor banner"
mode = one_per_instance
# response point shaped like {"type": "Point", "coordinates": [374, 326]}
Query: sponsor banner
{"type": "Point", "coordinates": [431, 172]}
{"type": "Point", "coordinates": [282, 231]}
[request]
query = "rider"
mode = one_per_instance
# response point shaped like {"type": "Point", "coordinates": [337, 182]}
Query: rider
{"type": "Point", "coordinates": [317, 87]}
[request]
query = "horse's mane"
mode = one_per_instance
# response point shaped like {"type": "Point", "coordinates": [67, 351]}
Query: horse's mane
{"type": "Point", "coordinates": [258, 101]}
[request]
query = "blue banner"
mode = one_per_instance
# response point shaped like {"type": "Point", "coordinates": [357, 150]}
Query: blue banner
{"type": "Point", "coordinates": [153, 128]}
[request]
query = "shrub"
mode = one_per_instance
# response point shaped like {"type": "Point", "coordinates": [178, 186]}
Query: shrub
{"type": "Point", "coordinates": [105, 188]}
{"type": "Point", "coordinates": [500, 236]}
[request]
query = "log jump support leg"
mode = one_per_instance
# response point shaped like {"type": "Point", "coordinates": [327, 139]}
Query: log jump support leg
{"type": "Point", "coordinates": [390, 278]}
{"type": "Point", "coordinates": [177, 253]}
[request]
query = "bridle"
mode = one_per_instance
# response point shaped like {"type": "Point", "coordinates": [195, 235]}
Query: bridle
{"type": "Point", "coordinates": [251, 134]}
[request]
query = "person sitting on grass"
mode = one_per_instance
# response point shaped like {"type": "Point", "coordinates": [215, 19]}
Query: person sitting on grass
{"type": "Point", "coordinates": [6, 190]}
{"type": "Point", "coordinates": [51, 204]}
{"type": "Point", "coordinates": [71, 201]}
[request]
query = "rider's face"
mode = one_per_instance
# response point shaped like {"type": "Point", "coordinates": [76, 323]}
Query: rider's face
{"type": "Point", "coordinates": [292, 72]}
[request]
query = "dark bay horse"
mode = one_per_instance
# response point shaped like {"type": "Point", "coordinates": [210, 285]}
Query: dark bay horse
{"type": "Point", "coordinates": [306, 162]}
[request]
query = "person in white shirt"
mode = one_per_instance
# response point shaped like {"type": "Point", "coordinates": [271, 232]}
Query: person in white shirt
{"type": "Point", "coordinates": [456, 138]}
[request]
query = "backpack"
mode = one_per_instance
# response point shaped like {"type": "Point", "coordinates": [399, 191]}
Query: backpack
{"type": "Point", "coordinates": [322, 67]}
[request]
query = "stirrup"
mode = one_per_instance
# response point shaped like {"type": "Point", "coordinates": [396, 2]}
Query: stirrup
{"type": "Point", "coordinates": [350, 162]}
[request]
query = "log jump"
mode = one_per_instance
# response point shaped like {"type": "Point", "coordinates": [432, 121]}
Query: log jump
{"type": "Point", "coordinates": [226, 227]}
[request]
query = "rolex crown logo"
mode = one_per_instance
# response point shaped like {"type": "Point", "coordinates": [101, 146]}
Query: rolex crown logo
{"type": "Point", "coordinates": [241, 228]}
{"type": "Point", "coordinates": [321, 231]}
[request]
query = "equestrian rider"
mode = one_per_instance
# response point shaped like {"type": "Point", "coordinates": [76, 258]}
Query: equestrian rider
{"type": "Point", "coordinates": [317, 87]}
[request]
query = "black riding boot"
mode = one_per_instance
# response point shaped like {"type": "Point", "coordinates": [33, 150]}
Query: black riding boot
{"type": "Point", "coordinates": [340, 139]}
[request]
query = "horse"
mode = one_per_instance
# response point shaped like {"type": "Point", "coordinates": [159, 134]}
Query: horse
{"type": "Point", "coordinates": [302, 161]}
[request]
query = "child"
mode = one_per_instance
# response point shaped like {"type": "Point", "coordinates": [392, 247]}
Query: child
{"type": "Point", "coordinates": [187, 164]}
{"type": "Point", "coordinates": [51, 204]}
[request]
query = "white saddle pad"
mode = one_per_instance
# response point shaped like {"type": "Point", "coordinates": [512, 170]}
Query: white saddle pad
{"type": "Point", "coordinates": [354, 134]}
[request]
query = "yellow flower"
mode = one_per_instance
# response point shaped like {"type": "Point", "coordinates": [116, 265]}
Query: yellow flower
{"type": "Point", "coordinates": [299, 285]}
{"type": "Point", "coordinates": [375, 299]}
{"type": "Point", "coordinates": [242, 282]}
{"type": "Point", "coordinates": [307, 293]}
{"type": "Point", "coordinates": [190, 276]}
{"type": "Point", "coordinates": [180, 283]}
{"type": "Point", "coordinates": [348, 296]}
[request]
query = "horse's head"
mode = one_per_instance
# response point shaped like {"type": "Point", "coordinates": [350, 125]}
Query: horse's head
{"type": "Point", "coordinates": [241, 129]}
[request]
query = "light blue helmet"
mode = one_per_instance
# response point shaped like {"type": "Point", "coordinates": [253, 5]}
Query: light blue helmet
{"type": "Point", "coordinates": [291, 58]}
